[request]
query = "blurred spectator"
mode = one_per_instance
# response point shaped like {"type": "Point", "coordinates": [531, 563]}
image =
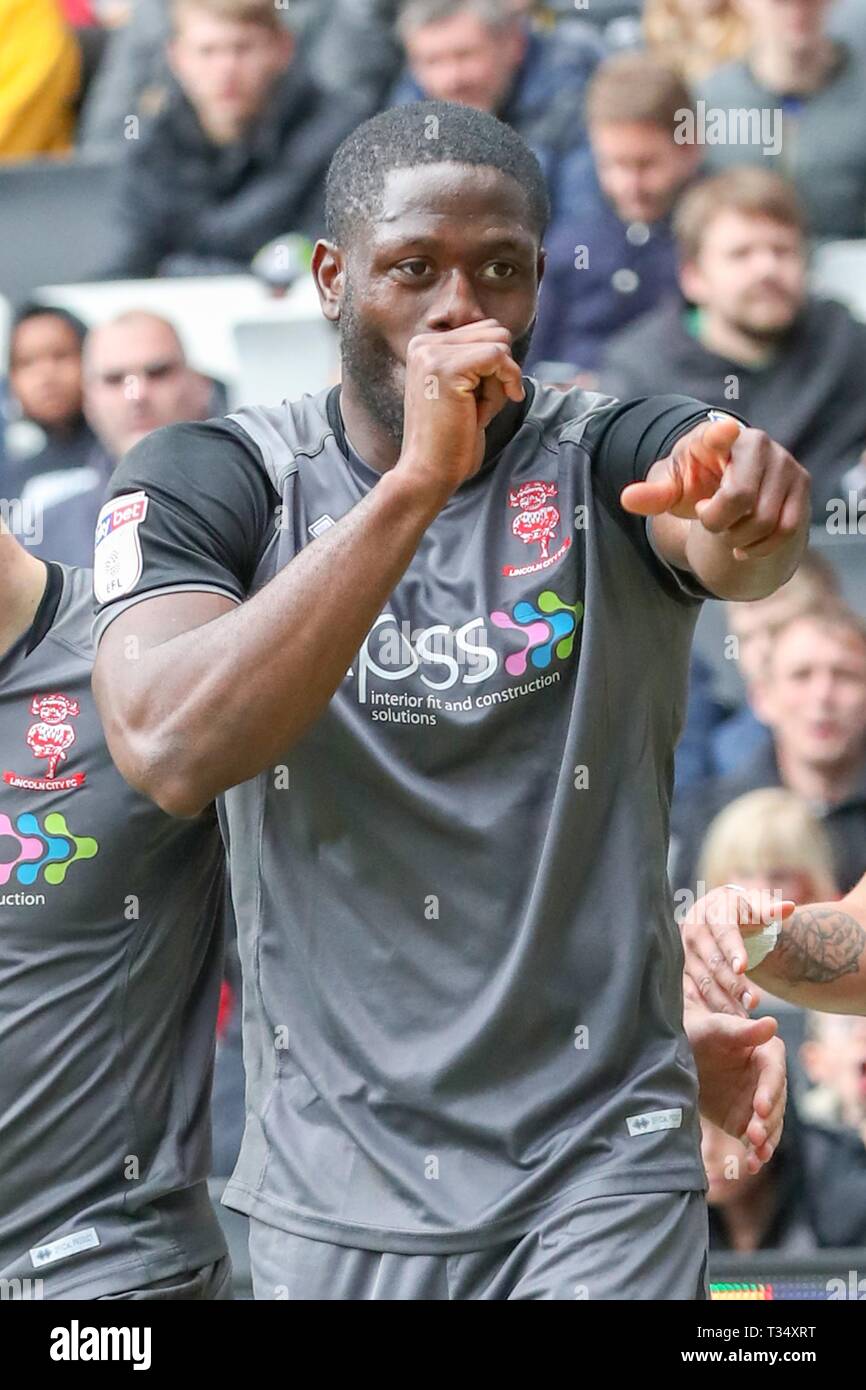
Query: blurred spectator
{"type": "Point", "coordinates": [768, 1210]}
{"type": "Point", "coordinates": [812, 1193]}
{"type": "Point", "coordinates": [756, 341]}
{"type": "Point", "coordinates": [811, 694]}
{"type": "Point", "coordinates": [834, 1059]}
{"type": "Point", "coordinates": [768, 841]}
{"type": "Point", "coordinates": [717, 740]}
{"type": "Point", "coordinates": [47, 431]}
{"type": "Point", "coordinates": [133, 76]}
{"type": "Point", "coordinates": [813, 89]}
{"type": "Point", "coordinates": [237, 156]}
{"type": "Point", "coordinates": [479, 53]}
{"type": "Point", "coordinates": [695, 36]}
{"type": "Point", "coordinates": [39, 79]}
{"type": "Point", "coordinates": [613, 257]}
{"type": "Point", "coordinates": [754, 626]}
{"type": "Point", "coordinates": [136, 379]}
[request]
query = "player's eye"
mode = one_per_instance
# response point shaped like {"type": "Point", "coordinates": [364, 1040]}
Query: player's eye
{"type": "Point", "coordinates": [414, 268]}
{"type": "Point", "coordinates": [498, 270]}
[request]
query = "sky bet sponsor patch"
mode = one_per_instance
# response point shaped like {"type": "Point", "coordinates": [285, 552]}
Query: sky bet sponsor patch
{"type": "Point", "coordinates": [117, 556]}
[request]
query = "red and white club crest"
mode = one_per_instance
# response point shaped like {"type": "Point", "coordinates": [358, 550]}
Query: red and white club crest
{"type": "Point", "coordinates": [50, 738]}
{"type": "Point", "coordinates": [535, 523]}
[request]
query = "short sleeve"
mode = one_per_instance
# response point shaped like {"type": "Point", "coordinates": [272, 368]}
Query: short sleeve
{"type": "Point", "coordinates": [189, 508]}
{"type": "Point", "coordinates": [624, 440]}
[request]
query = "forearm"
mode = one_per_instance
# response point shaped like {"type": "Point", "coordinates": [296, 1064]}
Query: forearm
{"type": "Point", "coordinates": [819, 961]}
{"type": "Point", "coordinates": [218, 703]}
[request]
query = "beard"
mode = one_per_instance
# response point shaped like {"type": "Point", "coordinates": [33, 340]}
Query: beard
{"type": "Point", "coordinates": [377, 371]}
{"type": "Point", "coordinates": [767, 333]}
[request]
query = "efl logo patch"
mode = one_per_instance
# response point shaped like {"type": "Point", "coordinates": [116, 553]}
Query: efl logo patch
{"type": "Point", "coordinates": [535, 524]}
{"type": "Point", "coordinates": [50, 738]}
{"type": "Point", "coordinates": [117, 559]}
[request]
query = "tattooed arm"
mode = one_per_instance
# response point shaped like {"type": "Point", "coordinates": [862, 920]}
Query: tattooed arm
{"type": "Point", "coordinates": [819, 960]}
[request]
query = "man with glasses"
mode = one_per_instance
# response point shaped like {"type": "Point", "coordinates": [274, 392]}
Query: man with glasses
{"type": "Point", "coordinates": [136, 379]}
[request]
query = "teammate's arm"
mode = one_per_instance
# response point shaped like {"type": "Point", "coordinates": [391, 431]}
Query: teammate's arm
{"type": "Point", "coordinates": [819, 960]}
{"type": "Point", "coordinates": [729, 505]}
{"type": "Point", "coordinates": [198, 694]}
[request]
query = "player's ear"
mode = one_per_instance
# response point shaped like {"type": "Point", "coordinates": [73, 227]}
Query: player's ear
{"type": "Point", "coordinates": [541, 264]}
{"type": "Point", "coordinates": [329, 271]}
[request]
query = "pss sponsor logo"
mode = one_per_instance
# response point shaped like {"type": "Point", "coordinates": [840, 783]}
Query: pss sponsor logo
{"type": "Point", "coordinates": [540, 633]}
{"type": "Point", "coordinates": [443, 656]}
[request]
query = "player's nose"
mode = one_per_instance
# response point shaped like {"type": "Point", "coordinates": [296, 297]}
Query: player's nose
{"type": "Point", "coordinates": [455, 305]}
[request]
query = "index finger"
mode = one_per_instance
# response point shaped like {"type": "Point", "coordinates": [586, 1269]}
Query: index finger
{"type": "Point", "coordinates": [737, 494]}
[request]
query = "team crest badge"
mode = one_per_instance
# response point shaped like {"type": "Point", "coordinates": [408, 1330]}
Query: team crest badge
{"type": "Point", "coordinates": [535, 524]}
{"type": "Point", "coordinates": [50, 738]}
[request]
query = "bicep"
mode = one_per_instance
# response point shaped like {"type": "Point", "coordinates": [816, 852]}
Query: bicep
{"type": "Point", "coordinates": [121, 672]}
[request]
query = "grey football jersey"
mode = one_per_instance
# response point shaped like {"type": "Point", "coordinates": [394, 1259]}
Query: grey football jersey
{"type": "Point", "coordinates": [462, 973]}
{"type": "Point", "coordinates": [110, 969]}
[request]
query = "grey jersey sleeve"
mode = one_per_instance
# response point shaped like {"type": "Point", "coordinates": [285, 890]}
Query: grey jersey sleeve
{"type": "Point", "coordinates": [206, 506]}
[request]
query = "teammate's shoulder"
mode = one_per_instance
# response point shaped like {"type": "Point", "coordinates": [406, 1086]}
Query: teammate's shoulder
{"type": "Point", "coordinates": [72, 619]}
{"type": "Point", "coordinates": [564, 415]}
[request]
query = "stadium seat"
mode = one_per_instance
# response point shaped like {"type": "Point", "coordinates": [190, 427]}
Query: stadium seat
{"type": "Point", "coordinates": [205, 310]}
{"type": "Point", "coordinates": [282, 360]}
{"type": "Point", "coordinates": [52, 223]}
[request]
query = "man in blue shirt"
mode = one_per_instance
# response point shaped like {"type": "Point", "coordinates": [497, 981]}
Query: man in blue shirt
{"type": "Point", "coordinates": [610, 250]}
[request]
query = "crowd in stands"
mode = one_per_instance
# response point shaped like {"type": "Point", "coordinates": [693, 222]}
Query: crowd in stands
{"type": "Point", "coordinates": [697, 152]}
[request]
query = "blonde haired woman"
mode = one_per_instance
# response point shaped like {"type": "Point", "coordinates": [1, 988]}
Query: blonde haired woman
{"type": "Point", "coordinates": [695, 36]}
{"type": "Point", "coordinates": [769, 841]}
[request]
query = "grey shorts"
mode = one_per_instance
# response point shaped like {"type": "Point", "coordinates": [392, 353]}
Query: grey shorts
{"type": "Point", "coordinates": [212, 1282]}
{"type": "Point", "coordinates": [641, 1246]}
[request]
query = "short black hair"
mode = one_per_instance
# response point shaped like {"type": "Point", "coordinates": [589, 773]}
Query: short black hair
{"type": "Point", "coordinates": [32, 309]}
{"type": "Point", "coordinates": [424, 132]}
